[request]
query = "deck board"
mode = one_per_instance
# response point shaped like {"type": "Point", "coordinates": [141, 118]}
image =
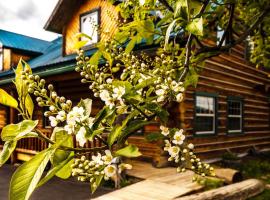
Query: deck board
{"type": "Point", "coordinates": [157, 184]}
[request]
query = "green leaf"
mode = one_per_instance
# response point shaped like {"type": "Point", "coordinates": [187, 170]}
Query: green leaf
{"type": "Point", "coordinates": [169, 30]}
{"type": "Point", "coordinates": [114, 134]}
{"type": "Point", "coordinates": [94, 60]}
{"type": "Point", "coordinates": [108, 57]}
{"type": "Point", "coordinates": [159, 111]}
{"type": "Point", "coordinates": [130, 46]}
{"type": "Point", "coordinates": [7, 100]}
{"type": "Point", "coordinates": [153, 137]}
{"type": "Point", "coordinates": [26, 177]}
{"type": "Point", "coordinates": [55, 170]}
{"type": "Point", "coordinates": [8, 148]}
{"type": "Point", "coordinates": [98, 179]}
{"type": "Point", "coordinates": [59, 134]}
{"type": "Point", "coordinates": [181, 9]}
{"type": "Point", "coordinates": [130, 151]}
{"type": "Point", "coordinates": [16, 131]}
{"type": "Point", "coordinates": [196, 27]}
{"type": "Point", "coordinates": [80, 35]}
{"type": "Point", "coordinates": [29, 105]}
{"type": "Point", "coordinates": [132, 127]}
{"type": "Point", "coordinates": [80, 44]}
{"type": "Point", "coordinates": [102, 114]}
{"type": "Point", "coordinates": [145, 83]}
{"type": "Point", "coordinates": [18, 77]}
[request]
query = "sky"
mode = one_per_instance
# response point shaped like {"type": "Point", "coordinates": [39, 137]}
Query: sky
{"type": "Point", "coordinates": [27, 17]}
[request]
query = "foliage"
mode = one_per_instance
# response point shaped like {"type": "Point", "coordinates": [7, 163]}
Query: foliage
{"type": "Point", "coordinates": [229, 156]}
{"type": "Point", "coordinates": [263, 196]}
{"type": "Point", "coordinates": [210, 183]}
{"type": "Point", "coordinates": [136, 88]}
{"type": "Point", "coordinates": [257, 169]}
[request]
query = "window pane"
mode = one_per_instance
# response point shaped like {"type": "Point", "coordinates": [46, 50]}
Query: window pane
{"type": "Point", "coordinates": [234, 123]}
{"type": "Point", "coordinates": [234, 107]}
{"type": "Point", "coordinates": [205, 105]}
{"type": "Point", "coordinates": [204, 124]}
{"type": "Point", "coordinates": [89, 26]}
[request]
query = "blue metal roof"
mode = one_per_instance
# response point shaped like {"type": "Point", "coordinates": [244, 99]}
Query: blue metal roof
{"type": "Point", "coordinates": [22, 42]}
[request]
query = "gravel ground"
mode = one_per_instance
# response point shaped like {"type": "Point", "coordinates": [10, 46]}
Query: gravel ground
{"type": "Point", "coordinates": [55, 189]}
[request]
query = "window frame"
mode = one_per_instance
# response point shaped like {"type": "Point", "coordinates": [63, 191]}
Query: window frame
{"type": "Point", "coordinates": [1, 59]}
{"type": "Point", "coordinates": [215, 120]}
{"type": "Point", "coordinates": [98, 10]}
{"type": "Point", "coordinates": [241, 116]}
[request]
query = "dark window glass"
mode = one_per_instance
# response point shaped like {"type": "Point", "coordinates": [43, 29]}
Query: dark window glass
{"type": "Point", "coordinates": [234, 116]}
{"type": "Point", "coordinates": [205, 115]}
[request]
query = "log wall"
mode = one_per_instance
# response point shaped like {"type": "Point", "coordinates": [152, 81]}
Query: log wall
{"type": "Point", "coordinates": [231, 75]}
{"type": "Point", "coordinates": [107, 25]}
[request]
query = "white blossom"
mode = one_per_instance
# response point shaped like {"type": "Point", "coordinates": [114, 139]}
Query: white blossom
{"type": "Point", "coordinates": [61, 116]}
{"type": "Point", "coordinates": [69, 128]}
{"type": "Point", "coordinates": [174, 151]}
{"type": "Point", "coordinates": [179, 137]}
{"type": "Point", "coordinates": [80, 136]}
{"type": "Point", "coordinates": [160, 92]}
{"type": "Point", "coordinates": [104, 95]}
{"type": "Point", "coordinates": [110, 171]}
{"type": "Point", "coordinates": [75, 115]}
{"type": "Point", "coordinates": [53, 121]}
{"type": "Point", "coordinates": [107, 158]}
{"type": "Point", "coordinates": [179, 97]}
{"type": "Point", "coordinates": [164, 130]}
{"type": "Point", "coordinates": [124, 166]}
{"type": "Point", "coordinates": [109, 80]}
{"type": "Point", "coordinates": [160, 98]}
{"type": "Point", "coordinates": [118, 92]}
{"type": "Point", "coordinates": [97, 159]}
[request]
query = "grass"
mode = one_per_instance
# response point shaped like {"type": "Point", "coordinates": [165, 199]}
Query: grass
{"type": "Point", "coordinates": [255, 167]}
{"type": "Point", "coordinates": [263, 196]}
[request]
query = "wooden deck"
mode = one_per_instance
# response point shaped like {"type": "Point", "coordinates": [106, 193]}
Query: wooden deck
{"type": "Point", "coordinates": [158, 184]}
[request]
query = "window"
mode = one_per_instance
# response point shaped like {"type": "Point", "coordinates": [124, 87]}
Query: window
{"type": "Point", "coordinates": [205, 114]}
{"type": "Point", "coordinates": [220, 33]}
{"type": "Point", "coordinates": [89, 25]}
{"type": "Point", "coordinates": [1, 60]}
{"type": "Point", "coordinates": [235, 112]}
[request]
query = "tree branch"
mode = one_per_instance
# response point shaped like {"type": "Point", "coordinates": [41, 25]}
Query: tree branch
{"type": "Point", "coordinates": [239, 40]}
{"type": "Point", "coordinates": [166, 4]}
{"type": "Point", "coordinates": [188, 45]}
{"type": "Point", "coordinates": [229, 26]}
{"type": "Point", "coordinates": [65, 148]}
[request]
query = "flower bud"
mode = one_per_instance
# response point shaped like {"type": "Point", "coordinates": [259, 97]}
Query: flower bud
{"type": "Point", "coordinates": [30, 90]}
{"type": "Point", "coordinates": [37, 78]}
{"type": "Point", "coordinates": [50, 87]}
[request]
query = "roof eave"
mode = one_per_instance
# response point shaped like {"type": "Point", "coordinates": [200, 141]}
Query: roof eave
{"type": "Point", "coordinates": [61, 14]}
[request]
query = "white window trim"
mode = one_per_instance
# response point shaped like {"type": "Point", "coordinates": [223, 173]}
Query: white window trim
{"type": "Point", "coordinates": [207, 115]}
{"type": "Point", "coordinates": [237, 116]}
{"type": "Point", "coordinates": [84, 15]}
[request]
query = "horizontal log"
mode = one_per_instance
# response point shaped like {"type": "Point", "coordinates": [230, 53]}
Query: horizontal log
{"type": "Point", "coordinates": [242, 190]}
{"type": "Point", "coordinates": [256, 71]}
{"type": "Point", "coordinates": [229, 175]}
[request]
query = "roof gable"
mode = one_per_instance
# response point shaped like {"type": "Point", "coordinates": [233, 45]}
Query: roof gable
{"type": "Point", "coordinates": [22, 42]}
{"type": "Point", "coordinates": [61, 14]}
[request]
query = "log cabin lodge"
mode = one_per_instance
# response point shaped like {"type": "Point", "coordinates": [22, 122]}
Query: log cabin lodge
{"type": "Point", "coordinates": [228, 110]}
